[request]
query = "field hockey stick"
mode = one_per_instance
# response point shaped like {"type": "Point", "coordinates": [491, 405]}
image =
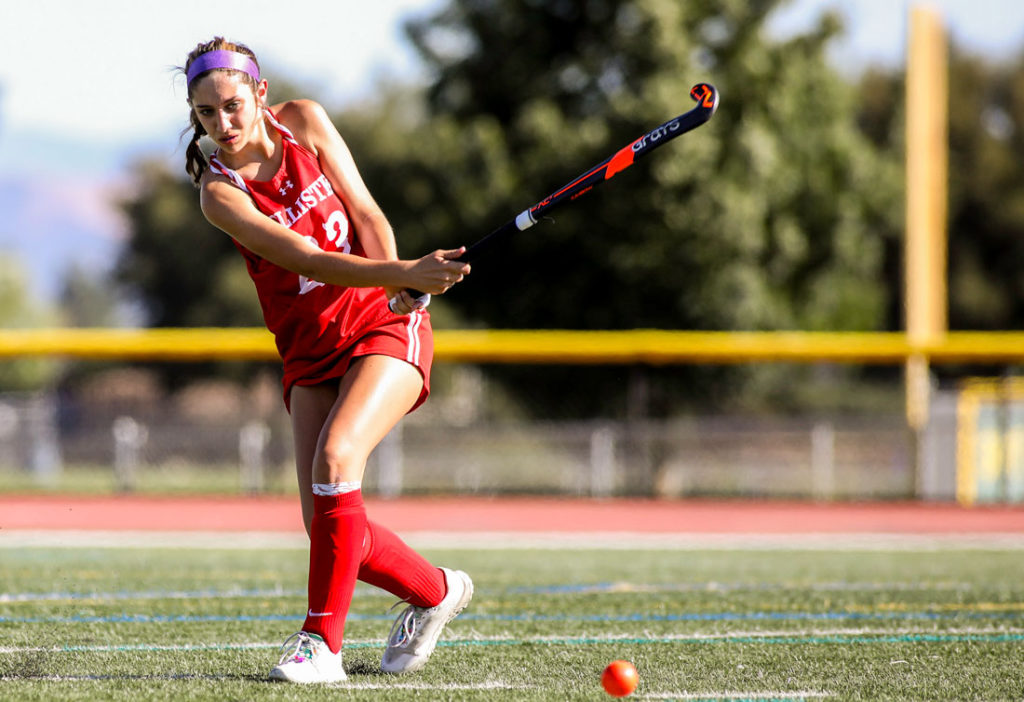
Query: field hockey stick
{"type": "Point", "coordinates": [707, 102]}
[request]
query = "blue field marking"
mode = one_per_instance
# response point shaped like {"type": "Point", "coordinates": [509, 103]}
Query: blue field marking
{"type": "Point", "coordinates": [1009, 614]}
{"type": "Point", "coordinates": [743, 616]}
{"type": "Point", "coordinates": [149, 595]}
{"type": "Point", "coordinates": [208, 594]}
{"type": "Point", "coordinates": [175, 619]}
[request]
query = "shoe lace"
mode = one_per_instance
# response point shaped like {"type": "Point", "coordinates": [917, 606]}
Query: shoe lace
{"type": "Point", "coordinates": [403, 631]}
{"type": "Point", "coordinates": [298, 647]}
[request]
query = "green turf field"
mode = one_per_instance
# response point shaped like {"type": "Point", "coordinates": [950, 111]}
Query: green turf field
{"type": "Point", "coordinates": [202, 624]}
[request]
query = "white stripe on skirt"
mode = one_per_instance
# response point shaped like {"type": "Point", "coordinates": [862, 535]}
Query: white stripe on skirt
{"type": "Point", "coordinates": [412, 329]}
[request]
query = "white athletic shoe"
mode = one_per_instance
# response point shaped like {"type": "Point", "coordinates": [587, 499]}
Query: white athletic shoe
{"type": "Point", "coordinates": [306, 658]}
{"type": "Point", "coordinates": [414, 634]}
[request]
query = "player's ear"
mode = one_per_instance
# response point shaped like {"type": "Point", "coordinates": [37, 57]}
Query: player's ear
{"type": "Point", "coordinates": [261, 93]}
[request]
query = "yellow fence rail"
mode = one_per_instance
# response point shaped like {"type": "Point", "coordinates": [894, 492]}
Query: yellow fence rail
{"type": "Point", "coordinates": [653, 347]}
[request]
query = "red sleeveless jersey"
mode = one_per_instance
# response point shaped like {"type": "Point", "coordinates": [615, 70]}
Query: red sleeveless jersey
{"type": "Point", "coordinates": [317, 326]}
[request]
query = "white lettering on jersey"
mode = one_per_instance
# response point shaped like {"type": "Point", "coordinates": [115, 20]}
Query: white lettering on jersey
{"type": "Point", "coordinates": [318, 191]}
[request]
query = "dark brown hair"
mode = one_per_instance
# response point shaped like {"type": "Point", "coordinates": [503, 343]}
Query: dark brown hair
{"type": "Point", "coordinates": [195, 160]}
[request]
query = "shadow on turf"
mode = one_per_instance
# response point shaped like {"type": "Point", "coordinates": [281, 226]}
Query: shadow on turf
{"type": "Point", "coordinates": [27, 665]}
{"type": "Point", "coordinates": [33, 666]}
{"type": "Point", "coordinates": [39, 675]}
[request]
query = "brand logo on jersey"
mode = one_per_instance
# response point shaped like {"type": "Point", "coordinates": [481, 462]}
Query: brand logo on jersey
{"type": "Point", "coordinates": [311, 196]}
{"type": "Point", "coordinates": [286, 187]}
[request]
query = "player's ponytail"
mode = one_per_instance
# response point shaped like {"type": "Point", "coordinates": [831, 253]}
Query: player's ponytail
{"type": "Point", "coordinates": [195, 159]}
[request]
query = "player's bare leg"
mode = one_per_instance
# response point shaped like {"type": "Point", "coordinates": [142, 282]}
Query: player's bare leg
{"type": "Point", "coordinates": [350, 418]}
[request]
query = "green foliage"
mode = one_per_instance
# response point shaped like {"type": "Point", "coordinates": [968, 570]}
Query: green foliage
{"type": "Point", "coordinates": [776, 215]}
{"type": "Point", "coordinates": [87, 300]}
{"type": "Point", "coordinates": [986, 206]}
{"type": "Point", "coordinates": [773, 216]}
{"type": "Point", "coordinates": [178, 265]}
{"type": "Point", "coordinates": [986, 185]}
{"type": "Point", "coordinates": [18, 310]}
{"type": "Point", "coordinates": [183, 271]}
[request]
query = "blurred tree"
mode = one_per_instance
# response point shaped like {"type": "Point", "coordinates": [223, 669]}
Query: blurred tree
{"type": "Point", "coordinates": [87, 300]}
{"type": "Point", "coordinates": [986, 188]}
{"type": "Point", "coordinates": [182, 271]}
{"type": "Point", "coordinates": [772, 216]}
{"type": "Point", "coordinates": [775, 215]}
{"type": "Point", "coordinates": [180, 267]}
{"type": "Point", "coordinates": [986, 204]}
{"type": "Point", "coordinates": [19, 310]}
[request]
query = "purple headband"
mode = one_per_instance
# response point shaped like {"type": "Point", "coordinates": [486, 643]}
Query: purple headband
{"type": "Point", "coordinates": [222, 59]}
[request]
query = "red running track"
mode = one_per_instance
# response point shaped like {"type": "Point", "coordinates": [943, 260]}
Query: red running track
{"type": "Point", "coordinates": [522, 515]}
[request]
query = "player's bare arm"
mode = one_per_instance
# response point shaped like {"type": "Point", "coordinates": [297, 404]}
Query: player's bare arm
{"type": "Point", "coordinates": [311, 126]}
{"type": "Point", "coordinates": [232, 211]}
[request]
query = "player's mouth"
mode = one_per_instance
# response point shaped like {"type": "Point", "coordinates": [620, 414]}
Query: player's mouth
{"type": "Point", "coordinates": [228, 139]}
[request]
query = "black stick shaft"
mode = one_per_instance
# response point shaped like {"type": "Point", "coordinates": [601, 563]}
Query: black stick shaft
{"type": "Point", "coordinates": [707, 102]}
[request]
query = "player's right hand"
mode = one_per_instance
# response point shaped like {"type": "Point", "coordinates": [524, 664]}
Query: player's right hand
{"type": "Point", "coordinates": [437, 272]}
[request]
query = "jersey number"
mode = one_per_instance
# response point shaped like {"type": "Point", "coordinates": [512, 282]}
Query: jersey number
{"type": "Point", "coordinates": [336, 231]}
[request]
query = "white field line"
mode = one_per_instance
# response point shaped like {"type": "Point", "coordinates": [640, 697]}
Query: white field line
{"type": "Point", "coordinates": [717, 587]}
{"type": "Point", "coordinates": [248, 646]}
{"type": "Point", "coordinates": [730, 635]}
{"type": "Point", "coordinates": [550, 640]}
{"type": "Point", "coordinates": [611, 540]}
{"type": "Point", "coordinates": [369, 591]}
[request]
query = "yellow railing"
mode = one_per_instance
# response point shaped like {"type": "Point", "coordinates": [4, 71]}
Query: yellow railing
{"type": "Point", "coordinates": [507, 346]}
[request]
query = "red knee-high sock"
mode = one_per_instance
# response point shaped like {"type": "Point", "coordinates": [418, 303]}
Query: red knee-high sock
{"type": "Point", "coordinates": [339, 523]}
{"type": "Point", "coordinates": [391, 565]}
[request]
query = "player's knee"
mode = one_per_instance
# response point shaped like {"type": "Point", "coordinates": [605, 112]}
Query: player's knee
{"type": "Point", "coordinates": [340, 461]}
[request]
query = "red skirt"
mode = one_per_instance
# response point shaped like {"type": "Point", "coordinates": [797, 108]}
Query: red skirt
{"type": "Point", "coordinates": [405, 337]}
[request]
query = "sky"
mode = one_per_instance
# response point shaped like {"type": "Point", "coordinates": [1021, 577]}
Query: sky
{"type": "Point", "coordinates": [88, 86]}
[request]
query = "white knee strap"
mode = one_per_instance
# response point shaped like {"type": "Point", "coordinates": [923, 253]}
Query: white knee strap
{"type": "Point", "coordinates": [335, 489]}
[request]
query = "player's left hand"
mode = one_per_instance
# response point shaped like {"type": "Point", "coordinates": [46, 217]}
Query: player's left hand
{"type": "Point", "coordinates": [402, 302]}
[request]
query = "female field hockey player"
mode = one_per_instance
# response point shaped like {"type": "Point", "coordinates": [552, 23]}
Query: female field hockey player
{"type": "Point", "coordinates": [284, 186]}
